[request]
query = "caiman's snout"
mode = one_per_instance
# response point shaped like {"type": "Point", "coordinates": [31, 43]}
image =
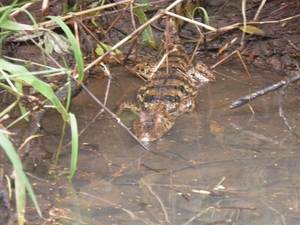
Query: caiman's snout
{"type": "Point", "coordinates": [152, 125]}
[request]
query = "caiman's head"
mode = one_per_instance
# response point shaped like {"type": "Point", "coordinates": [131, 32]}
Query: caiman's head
{"type": "Point", "coordinates": [152, 124]}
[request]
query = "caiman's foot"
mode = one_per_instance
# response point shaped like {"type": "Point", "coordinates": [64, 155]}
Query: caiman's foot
{"type": "Point", "coordinates": [145, 66]}
{"type": "Point", "coordinates": [128, 106]}
{"type": "Point", "coordinates": [200, 73]}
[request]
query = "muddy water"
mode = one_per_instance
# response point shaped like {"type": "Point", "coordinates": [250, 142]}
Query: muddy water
{"type": "Point", "coordinates": [216, 166]}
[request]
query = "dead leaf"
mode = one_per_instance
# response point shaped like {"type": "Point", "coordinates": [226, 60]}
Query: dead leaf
{"type": "Point", "coordinates": [215, 127]}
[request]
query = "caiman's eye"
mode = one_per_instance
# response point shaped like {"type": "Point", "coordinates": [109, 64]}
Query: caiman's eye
{"type": "Point", "coordinates": [148, 126]}
{"type": "Point", "coordinates": [150, 119]}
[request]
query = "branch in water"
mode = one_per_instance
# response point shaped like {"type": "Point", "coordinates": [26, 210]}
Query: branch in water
{"type": "Point", "coordinates": [245, 99]}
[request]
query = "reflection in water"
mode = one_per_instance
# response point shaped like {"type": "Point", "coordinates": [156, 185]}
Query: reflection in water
{"type": "Point", "coordinates": [215, 166]}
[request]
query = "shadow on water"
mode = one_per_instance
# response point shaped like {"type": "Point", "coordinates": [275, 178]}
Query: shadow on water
{"type": "Point", "coordinates": [215, 166]}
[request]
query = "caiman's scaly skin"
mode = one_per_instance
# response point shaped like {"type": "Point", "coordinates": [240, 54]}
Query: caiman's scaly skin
{"type": "Point", "coordinates": [170, 90]}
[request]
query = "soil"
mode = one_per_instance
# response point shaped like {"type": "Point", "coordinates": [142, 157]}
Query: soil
{"type": "Point", "coordinates": [277, 48]}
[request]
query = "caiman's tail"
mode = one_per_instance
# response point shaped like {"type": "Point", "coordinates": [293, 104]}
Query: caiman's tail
{"type": "Point", "coordinates": [171, 31]}
{"type": "Point", "coordinates": [185, 8]}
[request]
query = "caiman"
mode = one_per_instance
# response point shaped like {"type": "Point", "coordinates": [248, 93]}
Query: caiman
{"type": "Point", "coordinates": [170, 90]}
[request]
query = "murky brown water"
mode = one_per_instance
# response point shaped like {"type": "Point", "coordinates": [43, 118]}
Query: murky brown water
{"type": "Point", "coordinates": [252, 156]}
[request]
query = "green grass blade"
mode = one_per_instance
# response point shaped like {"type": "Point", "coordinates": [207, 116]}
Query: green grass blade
{"type": "Point", "coordinates": [100, 51]}
{"type": "Point", "coordinates": [146, 2]}
{"type": "Point", "coordinates": [9, 149]}
{"type": "Point", "coordinates": [41, 86]}
{"type": "Point", "coordinates": [4, 16]}
{"type": "Point", "coordinates": [10, 25]}
{"type": "Point", "coordinates": [147, 35]}
{"type": "Point", "coordinates": [8, 108]}
{"type": "Point", "coordinates": [23, 109]}
{"type": "Point", "coordinates": [74, 134]}
{"type": "Point", "coordinates": [4, 8]}
{"type": "Point", "coordinates": [74, 43]}
{"type": "Point", "coordinates": [206, 17]}
{"type": "Point", "coordinates": [20, 197]}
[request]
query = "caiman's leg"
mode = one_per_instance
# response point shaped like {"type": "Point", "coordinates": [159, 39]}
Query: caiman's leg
{"type": "Point", "coordinates": [128, 106]}
{"type": "Point", "coordinates": [200, 73]}
{"type": "Point", "coordinates": [188, 105]}
{"type": "Point", "coordinates": [145, 66]}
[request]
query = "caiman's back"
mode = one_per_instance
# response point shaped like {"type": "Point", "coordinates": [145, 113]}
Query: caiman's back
{"type": "Point", "coordinates": [170, 91]}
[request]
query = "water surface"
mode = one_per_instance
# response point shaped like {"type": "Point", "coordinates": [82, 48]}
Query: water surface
{"type": "Point", "coordinates": [215, 166]}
